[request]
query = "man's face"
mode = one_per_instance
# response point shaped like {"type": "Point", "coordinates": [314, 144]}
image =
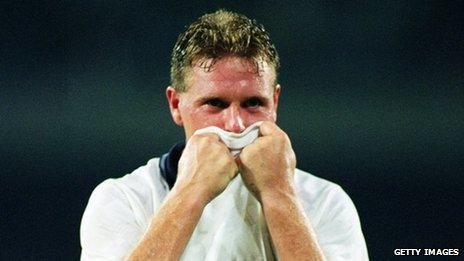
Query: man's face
{"type": "Point", "coordinates": [231, 95]}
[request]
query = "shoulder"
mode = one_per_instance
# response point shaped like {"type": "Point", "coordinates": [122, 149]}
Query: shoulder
{"type": "Point", "coordinates": [317, 192]}
{"type": "Point", "coordinates": [333, 216]}
{"type": "Point", "coordinates": [138, 189]}
{"type": "Point", "coordinates": [323, 199]}
{"type": "Point", "coordinates": [141, 184]}
{"type": "Point", "coordinates": [119, 210]}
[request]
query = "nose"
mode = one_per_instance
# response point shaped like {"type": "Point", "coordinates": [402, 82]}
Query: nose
{"type": "Point", "coordinates": [233, 120]}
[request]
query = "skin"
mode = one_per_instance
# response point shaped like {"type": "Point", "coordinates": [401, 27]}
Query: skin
{"type": "Point", "coordinates": [231, 96]}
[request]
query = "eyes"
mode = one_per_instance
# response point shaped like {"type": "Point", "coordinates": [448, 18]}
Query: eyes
{"type": "Point", "coordinates": [216, 102]}
{"type": "Point", "coordinates": [253, 102]}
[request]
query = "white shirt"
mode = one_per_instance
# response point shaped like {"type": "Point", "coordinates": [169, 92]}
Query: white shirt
{"type": "Point", "coordinates": [120, 210]}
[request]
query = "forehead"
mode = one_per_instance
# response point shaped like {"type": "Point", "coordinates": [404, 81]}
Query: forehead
{"type": "Point", "coordinates": [230, 74]}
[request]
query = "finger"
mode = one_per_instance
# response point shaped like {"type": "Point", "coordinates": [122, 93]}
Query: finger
{"type": "Point", "coordinates": [238, 161]}
{"type": "Point", "coordinates": [211, 136]}
{"type": "Point", "coordinates": [269, 128]}
{"type": "Point", "coordinates": [236, 169]}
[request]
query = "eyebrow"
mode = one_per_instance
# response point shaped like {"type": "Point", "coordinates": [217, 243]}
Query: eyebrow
{"type": "Point", "coordinates": [211, 97]}
{"type": "Point", "coordinates": [208, 98]}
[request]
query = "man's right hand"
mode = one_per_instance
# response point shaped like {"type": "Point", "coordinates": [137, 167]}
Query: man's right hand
{"type": "Point", "coordinates": [206, 166]}
{"type": "Point", "coordinates": [205, 169]}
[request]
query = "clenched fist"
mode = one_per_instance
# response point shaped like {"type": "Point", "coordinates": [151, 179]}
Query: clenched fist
{"type": "Point", "coordinates": [206, 166]}
{"type": "Point", "coordinates": [268, 164]}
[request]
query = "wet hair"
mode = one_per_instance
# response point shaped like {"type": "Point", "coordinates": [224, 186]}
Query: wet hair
{"type": "Point", "coordinates": [216, 35]}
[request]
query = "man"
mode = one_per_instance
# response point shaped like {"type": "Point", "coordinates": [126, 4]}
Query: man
{"type": "Point", "coordinates": [223, 74]}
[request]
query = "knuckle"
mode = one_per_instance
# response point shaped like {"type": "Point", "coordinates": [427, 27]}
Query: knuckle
{"type": "Point", "coordinates": [283, 137]}
{"type": "Point", "coordinates": [266, 124]}
{"type": "Point", "coordinates": [209, 136]}
{"type": "Point", "coordinates": [196, 139]}
{"type": "Point", "coordinates": [272, 126]}
{"type": "Point", "coordinates": [205, 139]}
{"type": "Point", "coordinates": [204, 136]}
{"type": "Point", "coordinates": [230, 161]}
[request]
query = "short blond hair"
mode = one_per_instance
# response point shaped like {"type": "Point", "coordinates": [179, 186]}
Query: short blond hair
{"type": "Point", "coordinates": [216, 35]}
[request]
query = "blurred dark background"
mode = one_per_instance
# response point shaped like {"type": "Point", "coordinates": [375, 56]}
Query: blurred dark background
{"type": "Point", "coordinates": [373, 100]}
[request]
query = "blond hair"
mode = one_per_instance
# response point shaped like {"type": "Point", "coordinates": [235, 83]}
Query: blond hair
{"type": "Point", "coordinates": [215, 35]}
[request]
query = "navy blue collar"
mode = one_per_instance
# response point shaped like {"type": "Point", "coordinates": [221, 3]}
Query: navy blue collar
{"type": "Point", "coordinates": [168, 163]}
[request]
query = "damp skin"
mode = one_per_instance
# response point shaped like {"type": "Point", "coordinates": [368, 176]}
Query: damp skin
{"type": "Point", "coordinates": [230, 95]}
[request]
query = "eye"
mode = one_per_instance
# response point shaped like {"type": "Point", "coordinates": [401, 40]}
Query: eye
{"type": "Point", "coordinates": [216, 103]}
{"type": "Point", "coordinates": [253, 102]}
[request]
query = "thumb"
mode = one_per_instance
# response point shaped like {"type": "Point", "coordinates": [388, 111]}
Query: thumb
{"type": "Point", "coordinates": [268, 128]}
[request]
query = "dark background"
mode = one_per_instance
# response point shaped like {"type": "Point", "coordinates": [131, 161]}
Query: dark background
{"type": "Point", "coordinates": [373, 100]}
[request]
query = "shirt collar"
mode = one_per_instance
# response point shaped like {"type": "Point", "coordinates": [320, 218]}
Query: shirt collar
{"type": "Point", "coordinates": [169, 162]}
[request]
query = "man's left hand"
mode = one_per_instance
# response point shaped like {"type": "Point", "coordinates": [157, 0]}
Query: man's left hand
{"type": "Point", "coordinates": [268, 164]}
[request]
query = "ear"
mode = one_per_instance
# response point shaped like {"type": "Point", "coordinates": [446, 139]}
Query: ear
{"type": "Point", "coordinates": [276, 96]}
{"type": "Point", "coordinates": [173, 99]}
